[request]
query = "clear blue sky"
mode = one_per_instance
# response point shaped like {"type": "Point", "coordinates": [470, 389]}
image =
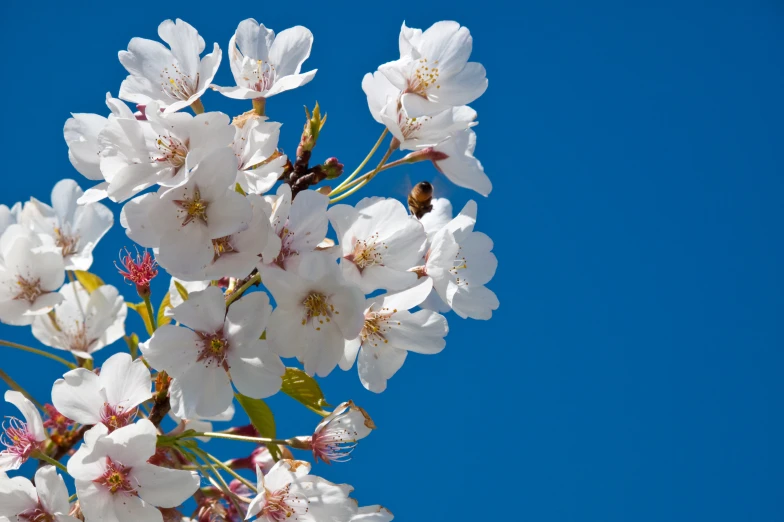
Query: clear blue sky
{"type": "Point", "coordinates": [633, 371]}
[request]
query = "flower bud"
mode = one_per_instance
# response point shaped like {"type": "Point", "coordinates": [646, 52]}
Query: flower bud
{"type": "Point", "coordinates": [332, 168]}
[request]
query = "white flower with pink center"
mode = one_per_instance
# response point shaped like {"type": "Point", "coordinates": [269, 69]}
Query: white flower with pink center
{"type": "Point", "coordinates": [216, 349]}
{"type": "Point", "coordinates": [390, 331]}
{"type": "Point", "coordinates": [20, 438]}
{"type": "Point", "coordinates": [74, 229]}
{"type": "Point", "coordinates": [263, 64]}
{"type": "Point", "coordinates": [83, 322]}
{"type": "Point", "coordinates": [30, 275]}
{"type": "Point", "coordinates": [379, 242]}
{"type": "Point", "coordinates": [289, 493]}
{"type": "Point", "coordinates": [114, 481]}
{"type": "Point", "coordinates": [317, 312]}
{"type": "Point", "coordinates": [461, 262]}
{"type": "Point", "coordinates": [175, 77]}
{"type": "Point", "coordinates": [298, 226]}
{"type": "Point", "coordinates": [46, 501]}
{"type": "Point", "coordinates": [111, 397]}
{"type": "Point", "coordinates": [433, 71]}
{"type": "Point", "coordinates": [337, 435]}
{"type": "Point", "coordinates": [183, 223]}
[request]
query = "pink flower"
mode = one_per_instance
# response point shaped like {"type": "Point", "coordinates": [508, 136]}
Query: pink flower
{"type": "Point", "coordinates": [139, 271]}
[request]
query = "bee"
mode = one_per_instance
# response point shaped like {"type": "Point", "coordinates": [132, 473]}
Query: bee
{"type": "Point", "coordinates": [419, 199]}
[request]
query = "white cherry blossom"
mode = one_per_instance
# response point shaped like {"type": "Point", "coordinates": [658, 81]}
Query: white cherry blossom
{"type": "Point", "coordinates": [30, 275]}
{"type": "Point", "coordinates": [258, 163]}
{"type": "Point", "coordinates": [413, 132]}
{"type": "Point", "coordinates": [181, 224]}
{"type": "Point", "coordinates": [379, 242]}
{"type": "Point", "coordinates": [454, 158]}
{"type": "Point", "coordinates": [20, 439]}
{"type": "Point", "coordinates": [82, 132]}
{"type": "Point", "coordinates": [83, 322]}
{"type": "Point", "coordinates": [46, 501]}
{"type": "Point", "coordinates": [114, 481]}
{"type": "Point", "coordinates": [337, 434]}
{"type": "Point", "coordinates": [163, 149]}
{"type": "Point", "coordinates": [298, 227]}
{"type": "Point", "coordinates": [390, 331]}
{"type": "Point", "coordinates": [216, 349]}
{"type": "Point", "coordinates": [461, 262]}
{"type": "Point", "coordinates": [9, 216]}
{"type": "Point", "coordinates": [175, 77]}
{"type": "Point", "coordinates": [316, 312]}
{"type": "Point", "coordinates": [288, 492]}
{"type": "Point", "coordinates": [263, 64]}
{"type": "Point", "coordinates": [110, 397]}
{"type": "Point", "coordinates": [74, 229]}
{"type": "Point", "coordinates": [433, 71]}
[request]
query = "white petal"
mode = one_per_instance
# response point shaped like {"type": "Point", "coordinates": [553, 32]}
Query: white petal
{"type": "Point", "coordinates": [51, 490]}
{"type": "Point", "coordinates": [164, 487]}
{"type": "Point", "coordinates": [203, 311]}
{"type": "Point", "coordinates": [127, 382]}
{"type": "Point", "coordinates": [33, 419]}
{"type": "Point", "coordinates": [79, 396]}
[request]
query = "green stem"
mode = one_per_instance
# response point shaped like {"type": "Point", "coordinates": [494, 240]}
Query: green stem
{"type": "Point", "coordinates": [37, 351]}
{"type": "Point", "coordinates": [197, 107]}
{"type": "Point", "coordinates": [15, 386]}
{"type": "Point", "coordinates": [364, 162]}
{"type": "Point", "coordinates": [259, 105]}
{"type": "Point", "coordinates": [229, 470]}
{"type": "Point", "coordinates": [46, 458]}
{"type": "Point", "coordinates": [241, 438]}
{"type": "Point", "coordinates": [225, 487]}
{"type": "Point", "coordinates": [72, 498]}
{"type": "Point", "coordinates": [151, 313]}
{"type": "Point", "coordinates": [366, 178]}
{"type": "Point", "coordinates": [236, 294]}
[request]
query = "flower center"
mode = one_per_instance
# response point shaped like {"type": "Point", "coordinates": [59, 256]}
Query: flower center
{"type": "Point", "coordinates": [366, 252]}
{"type": "Point", "coordinates": [67, 243]}
{"type": "Point", "coordinates": [171, 151]}
{"type": "Point", "coordinates": [222, 245]}
{"type": "Point", "coordinates": [18, 439]}
{"type": "Point", "coordinates": [29, 289]}
{"type": "Point", "coordinates": [116, 478]}
{"type": "Point", "coordinates": [410, 127]}
{"type": "Point", "coordinates": [214, 348]}
{"type": "Point", "coordinates": [457, 265]}
{"type": "Point", "coordinates": [259, 75]}
{"type": "Point", "coordinates": [377, 325]}
{"type": "Point", "coordinates": [425, 76]}
{"type": "Point", "coordinates": [37, 514]}
{"type": "Point", "coordinates": [279, 505]}
{"type": "Point", "coordinates": [115, 417]}
{"type": "Point", "coordinates": [193, 208]}
{"type": "Point", "coordinates": [318, 308]}
{"type": "Point", "coordinates": [176, 84]}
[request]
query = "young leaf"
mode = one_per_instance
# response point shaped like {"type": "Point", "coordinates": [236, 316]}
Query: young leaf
{"type": "Point", "coordinates": [141, 309]}
{"type": "Point", "coordinates": [262, 419]}
{"type": "Point", "coordinates": [166, 303]}
{"type": "Point", "coordinates": [181, 290]}
{"type": "Point", "coordinates": [303, 388]}
{"type": "Point", "coordinates": [89, 281]}
{"type": "Point", "coordinates": [133, 344]}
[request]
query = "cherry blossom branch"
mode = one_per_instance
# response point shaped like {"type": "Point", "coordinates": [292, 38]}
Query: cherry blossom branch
{"type": "Point", "coordinates": [75, 437]}
{"type": "Point", "coordinates": [22, 347]}
{"type": "Point", "coordinates": [16, 386]}
{"type": "Point", "coordinates": [364, 162]}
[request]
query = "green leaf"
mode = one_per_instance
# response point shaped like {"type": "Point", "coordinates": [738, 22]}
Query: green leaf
{"type": "Point", "coordinates": [89, 281]}
{"type": "Point", "coordinates": [133, 344]}
{"type": "Point", "coordinates": [166, 303]}
{"type": "Point", "coordinates": [141, 309]}
{"type": "Point", "coordinates": [303, 388]}
{"type": "Point", "coordinates": [181, 290]}
{"type": "Point", "coordinates": [263, 420]}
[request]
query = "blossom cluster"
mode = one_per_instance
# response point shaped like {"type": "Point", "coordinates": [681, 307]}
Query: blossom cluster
{"type": "Point", "coordinates": [264, 265]}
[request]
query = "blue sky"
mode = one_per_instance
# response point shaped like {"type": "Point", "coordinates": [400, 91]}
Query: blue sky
{"type": "Point", "coordinates": [633, 371]}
